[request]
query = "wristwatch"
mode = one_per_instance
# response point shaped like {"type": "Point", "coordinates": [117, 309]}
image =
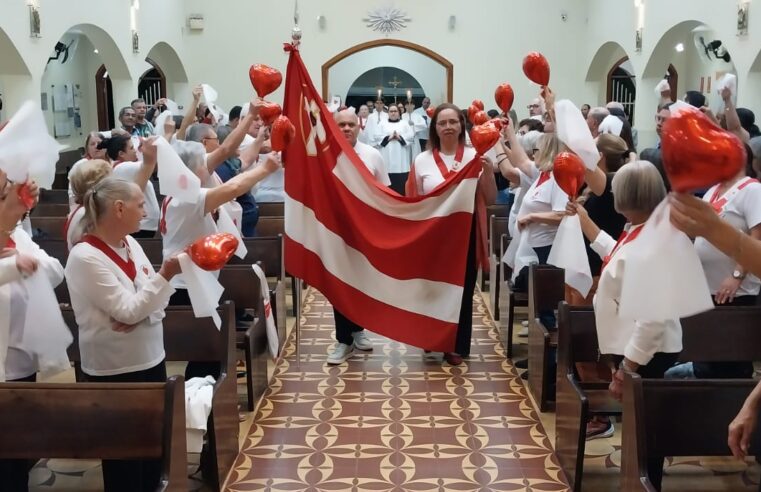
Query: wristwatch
{"type": "Point", "coordinates": [738, 275]}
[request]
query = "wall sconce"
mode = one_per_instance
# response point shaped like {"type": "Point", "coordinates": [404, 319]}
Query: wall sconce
{"type": "Point", "coordinates": [34, 18]}
{"type": "Point", "coordinates": [452, 22]}
{"type": "Point", "coordinates": [321, 22]}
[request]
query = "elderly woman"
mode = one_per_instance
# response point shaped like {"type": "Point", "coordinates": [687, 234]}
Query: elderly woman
{"type": "Point", "coordinates": [648, 348]}
{"type": "Point", "coordinates": [84, 177]}
{"type": "Point", "coordinates": [448, 154]}
{"type": "Point", "coordinates": [119, 300]}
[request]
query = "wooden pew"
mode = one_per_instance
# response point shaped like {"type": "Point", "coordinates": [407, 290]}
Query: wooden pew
{"type": "Point", "coordinates": [243, 289]}
{"type": "Point", "coordinates": [496, 210]}
{"type": "Point", "coordinates": [271, 209]}
{"type": "Point", "coordinates": [51, 210]}
{"type": "Point", "coordinates": [577, 401]}
{"type": "Point", "coordinates": [56, 248]}
{"type": "Point", "coordinates": [677, 418]}
{"type": "Point", "coordinates": [52, 227]}
{"type": "Point", "coordinates": [546, 288]}
{"type": "Point", "coordinates": [497, 228]}
{"type": "Point", "coordinates": [54, 196]}
{"type": "Point", "coordinates": [270, 226]}
{"type": "Point", "coordinates": [98, 421]}
{"type": "Point", "coordinates": [508, 298]}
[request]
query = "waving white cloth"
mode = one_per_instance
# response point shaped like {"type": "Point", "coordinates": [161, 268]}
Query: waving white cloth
{"type": "Point", "coordinates": [611, 124]}
{"type": "Point", "coordinates": [175, 179]}
{"type": "Point", "coordinates": [272, 338]}
{"type": "Point", "coordinates": [203, 287]}
{"type": "Point", "coordinates": [198, 395]}
{"type": "Point", "coordinates": [661, 86]}
{"type": "Point", "coordinates": [663, 273]}
{"type": "Point", "coordinates": [568, 252]}
{"type": "Point", "coordinates": [573, 131]}
{"type": "Point", "coordinates": [27, 151]}
{"type": "Point", "coordinates": [225, 223]}
{"type": "Point", "coordinates": [519, 254]}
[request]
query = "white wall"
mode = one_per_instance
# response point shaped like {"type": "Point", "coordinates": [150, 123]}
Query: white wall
{"type": "Point", "coordinates": [430, 74]}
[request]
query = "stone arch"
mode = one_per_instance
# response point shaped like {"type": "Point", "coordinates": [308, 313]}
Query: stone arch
{"type": "Point", "coordinates": [165, 58]}
{"type": "Point", "coordinates": [108, 50]}
{"type": "Point", "coordinates": [604, 59]}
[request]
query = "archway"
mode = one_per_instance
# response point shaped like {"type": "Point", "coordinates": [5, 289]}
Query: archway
{"type": "Point", "coordinates": [622, 86]}
{"type": "Point", "coordinates": [105, 98]}
{"type": "Point", "coordinates": [434, 72]}
{"type": "Point", "coordinates": [15, 78]}
{"type": "Point", "coordinates": [392, 83]}
{"type": "Point", "coordinates": [152, 84]}
{"type": "Point", "coordinates": [167, 62]}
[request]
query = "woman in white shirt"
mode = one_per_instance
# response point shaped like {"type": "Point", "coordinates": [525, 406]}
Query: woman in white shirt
{"type": "Point", "coordinates": [91, 152]}
{"type": "Point", "coordinates": [119, 301]}
{"type": "Point", "coordinates": [646, 347]}
{"type": "Point", "coordinates": [84, 177]}
{"type": "Point", "coordinates": [395, 135]}
{"type": "Point", "coordinates": [448, 154]}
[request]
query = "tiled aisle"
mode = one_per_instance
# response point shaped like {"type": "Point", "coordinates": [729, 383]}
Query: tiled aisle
{"type": "Point", "coordinates": [395, 420]}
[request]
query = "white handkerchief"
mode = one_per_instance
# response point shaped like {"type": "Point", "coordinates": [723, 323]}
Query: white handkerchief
{"type": "Point", "coordinates": [612, 124]}
{"type": "Point", "coordinates": [203, 287]}
{"type": "Point", "coordinates": [664, 278]}
{"type": "Point", "coordinates": [568, 252]}
{"type": "Point", "coordinates": [225, 224]}
{"type": "Point", "coordinates": [172, 106]}
{"type": "Point", "coordinates": [519, 254]}
{"type": "Point", "coordinates": [45, 332]}
{"type": "Point", "coordinates": [175, 179]}
{"type": "Point", "coordinates": [729, 81]}
{"type": "Point", "coordinates": [27, 151]}
{"type": "Point", "coordinates": [160, 120]}
{"type": "Point", "coordinates": [679, 106]}
{"type": "Point", "coordinates": [573, 131]}
{"type": "Point", "coordinates": [209, 94]}
{"type": "Point", "coordinates": [272, 338]}
{"type": "Point", "coordinates": [663, 85]}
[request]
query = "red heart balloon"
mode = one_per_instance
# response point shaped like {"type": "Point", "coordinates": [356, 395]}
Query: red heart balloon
{"type": "Point", "coordinates": [26, 197]}
{"type": "Point", "coordinates": [472, 110]}
{"type": "Point", "coordinates": [697, 154]}
{"type": "Point", "coordinates": [282, 133]}
{"type": "Point", "coordinates": [536, 68]}
{"type": "Point", "coordinates": [568, 170]}
{"type": "Point", "coordinates": [478, 103]}
{"type": "Point", "coordinates": [484, 137]}
{"type": "Point", "coordinates": [430, 111]}
{"type": "Point", "coordinates": [269, 111]}
{"type": "Point", "coordinates": [213, 251]}
{"type": "Point", "coordinates": [504, 97]}
{"type": "Point", "coordinates": [265, 79]}
{"type": "Point", "coordinates": [480, 118]}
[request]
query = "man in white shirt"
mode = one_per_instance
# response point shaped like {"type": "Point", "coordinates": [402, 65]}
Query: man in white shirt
{"type": "Point", "coordinates": [422, 135]}
{"type": "Point", "coordinates": [349, 334]}
{"type": "Point", "coordinates": [373, 124]}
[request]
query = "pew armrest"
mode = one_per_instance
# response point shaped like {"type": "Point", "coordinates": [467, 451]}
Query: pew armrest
{"type": "Point", "coordinates": [572, 413]}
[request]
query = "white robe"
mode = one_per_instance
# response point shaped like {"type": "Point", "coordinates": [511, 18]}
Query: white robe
{"type": "Point", "coordinates": [394, 153]}
{"type": "Point", "coordinates": [418, 126]}
{"type": "Point", "coordinates": [372, 127]}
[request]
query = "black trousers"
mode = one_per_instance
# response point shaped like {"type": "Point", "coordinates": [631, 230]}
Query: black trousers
{"type": "Point", "coordinates": [143, 234]}
{"type": "Point", "coordinates": [194, 369]}
{"type": "Point", "coordinates": [132, 475]}
{"type": "Point", "coordinates": [423, 144]}
{"type": "Point", "coordinates": [465, 324]}
{"type": "Point", "coordinates": [14, 474]}
{"type": "Point", "coordinates": [398, 181]}
{"type": "Point", "coordinates": [547, 318]}
{"type": "Point", "coordinates": [653, 370]}
{"type": "Point", "coordinates": [345, 328]}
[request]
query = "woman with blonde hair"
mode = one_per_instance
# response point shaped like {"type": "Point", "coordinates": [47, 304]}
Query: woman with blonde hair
{"type": "Point", "coordinates": [81, 180]}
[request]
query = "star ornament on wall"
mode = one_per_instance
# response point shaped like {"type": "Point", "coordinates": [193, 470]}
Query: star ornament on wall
{"type": "Point", "coordinates": [387, 20]}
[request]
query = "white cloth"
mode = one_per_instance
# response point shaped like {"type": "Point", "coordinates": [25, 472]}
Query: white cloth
{"type": "Point", "coordinates": [394, 153]}
{"type": "Point", "coordinates": [33, 335]}
{"type": "Point", "coordinates": [634, 338]}
{"type": "Point", "coordinates": [101, 293]}
{"type": "Point", "coordinates": [427, 173]}
{"type": "Point", "coordinates": [272, 337]}
{"type": "Point", "coordinates": [372, 127]}
{"type": "Point", "coordinates": [419, 126]}
{"type": "Point", "coordinates": [128, 171]}
{"type": "Point", "coordinates": [175, 179]}
{"type": "Point", "coordinates": [569, 253]}
{"type": "Point", "coordinates": [548, 197]}
{"type": "Point", "coordinates": [373, 160]}
{"type": "Point", "coordinates": [743, 211]}
{"type": "Point", "coordinates": [204, 290]}
{"type": "Point", "coordinates": [611, 124]}
{"type": "Point", "coordinates": [198, 395]}
{"type": "Point", "coordinates": [185, 223]}
{"type": "Point", "coordinates": [422, 133]}
{"type": "Point", "coordinates": [572, 130]}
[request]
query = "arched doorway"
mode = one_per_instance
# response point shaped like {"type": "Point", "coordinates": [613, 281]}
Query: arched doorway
{"type": "Point", "coordinates": [434, 72]}
{"type": "Point", "coordinates": [15, 78]}
{"type": "Point", "coordinates": [152, 84]}
{"type": "Point", "coordinates": [105, 99]}
{"type": "Point", "coordinates": [622, 86]}
{"type": "Point", "coordinates": [392, 83]}
{"type": "Point", "coordinates": [169, 68]}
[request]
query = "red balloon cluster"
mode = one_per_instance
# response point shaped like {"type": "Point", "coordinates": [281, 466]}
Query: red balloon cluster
{"type": "Point", "coordinates": [697, 154]}
{"type": "Point", "coordinates": [536, 68]}
{"type": "Point", "coordinates": [282, 133]}
{"type": "Point", "coordinates": [269, 111]}
{"type": "Point", "coordinates": [568, 170]}
{"type": "Point", "coordinates": [213, 251]}
{"type": "Point", "coordinates": [504, 97]}
{"type": "Point", "coordinates": [430, 111]}
{"type": "Point", "coordinates": [265, 79]}
{"type": "Point", "coordinates": [484, 136]}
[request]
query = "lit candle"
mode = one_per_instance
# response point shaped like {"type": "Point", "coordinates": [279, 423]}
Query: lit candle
{"type": "Point", "coordinates": [380, 91]}
{"type": "Point", "coordinates": [409, 95]}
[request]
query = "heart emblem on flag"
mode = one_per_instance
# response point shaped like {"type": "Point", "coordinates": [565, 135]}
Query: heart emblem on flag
{"type": "Point", "coordinates": [504, 97]}
{"type": "Point", "coordinates": [212, 252]}
{"type": "Point", "coordinates": [269, 111]}
{"type": "Point", "coordinates": [697, 154]}
{"type": "Point", "coordinates": [568, 170]}
{"type": "Point", "coordinates": [283, 132]}
{"type": "Point", "coordinates": [536, 68]}
{"type": "Point", "coordinates": [265, 79]}
{"type": "Point", "coordinates": [484, 137]}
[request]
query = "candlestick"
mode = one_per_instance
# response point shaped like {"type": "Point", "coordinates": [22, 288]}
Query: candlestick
{"type": "Point", "coordinates": [409, 95]}
{"type": "Point", "coordinates": [380, 93]}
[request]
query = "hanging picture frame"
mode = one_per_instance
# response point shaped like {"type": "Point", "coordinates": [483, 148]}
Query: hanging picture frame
{"type": "Point", "coordinates": [742, 18]}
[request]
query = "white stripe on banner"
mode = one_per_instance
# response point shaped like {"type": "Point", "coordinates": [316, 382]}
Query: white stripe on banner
{"type": "Point", "coordinates": [459, 198]}
{"type": "Point", "coordinates": [438, 300]}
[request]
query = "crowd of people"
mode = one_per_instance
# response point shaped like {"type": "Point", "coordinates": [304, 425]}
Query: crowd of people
{"type": "Point", "coordinates": [119, 299]}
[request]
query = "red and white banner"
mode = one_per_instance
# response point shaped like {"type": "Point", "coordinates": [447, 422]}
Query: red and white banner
{"type": "Point", "coordinates": [394, 265]}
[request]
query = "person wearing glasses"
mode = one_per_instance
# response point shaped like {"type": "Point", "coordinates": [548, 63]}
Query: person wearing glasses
{"type": "Point", "coordinates": [654, 154]}
{"type": "Point", "coordinates": [536, 108]}
{"type": "Point", "coordinates": [447, 154]}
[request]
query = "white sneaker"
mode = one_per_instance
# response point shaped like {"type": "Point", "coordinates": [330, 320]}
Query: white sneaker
{"type": "Point", "coordinates": [340, 354]}
{"type": "Point", "coordinates": [362, 341]}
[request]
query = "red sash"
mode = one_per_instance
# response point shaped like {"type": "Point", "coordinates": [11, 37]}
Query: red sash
{"type": "Point", "coordinates": [544, 176]}
{"type": "Point", "coordinates": [128, 267]}
{"type": "Point", "coordinates": [718, 203]}
{"type": "Point", "coordinates": [440, 162]}
{"type": "Point", "coordinates": [67, 224]}
{"type": "Point", "coordinates": [162, 222]}
{"type": "Point", "coordinates": [361, 124]}
{"type": "Point", "coordinates": [624, 238]}
{"type": "Point", "coordinates": [10, 244]}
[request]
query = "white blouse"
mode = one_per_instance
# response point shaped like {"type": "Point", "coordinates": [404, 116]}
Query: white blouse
{"type": "Point", "coordinates": [427, 173]}
{"type": "Point", "coordinates": [102, 294]}
{"type": "Point", "coordinates": [547, 197]}
{"type": "Point", "coordinates": [636, 340]}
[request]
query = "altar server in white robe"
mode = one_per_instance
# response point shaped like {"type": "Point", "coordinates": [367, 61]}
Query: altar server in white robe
{"type": "Point", "coordinates": [374, 121]}
{"type": "Point", "coordinates": [395, 136]}
{"type": "Point", "coordinates": [418, 126]}
{"type": "Point", "coordinates": [362, 116]}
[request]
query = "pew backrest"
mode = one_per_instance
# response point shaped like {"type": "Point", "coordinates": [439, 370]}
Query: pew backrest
{"type": "Point", "coordinates": [270, 226]}
{"type": "Point", "coordinates": [51, 227]}
{"type": "Point", "coordinates": [271, 209]}
{"type": "Point", "coordinates": [497, 227]}
{"type": "Point", "coordinates": [546, 287]}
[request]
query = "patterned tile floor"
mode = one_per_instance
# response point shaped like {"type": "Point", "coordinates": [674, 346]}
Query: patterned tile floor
{"type": "Point", "coordinates": [395, 419]}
